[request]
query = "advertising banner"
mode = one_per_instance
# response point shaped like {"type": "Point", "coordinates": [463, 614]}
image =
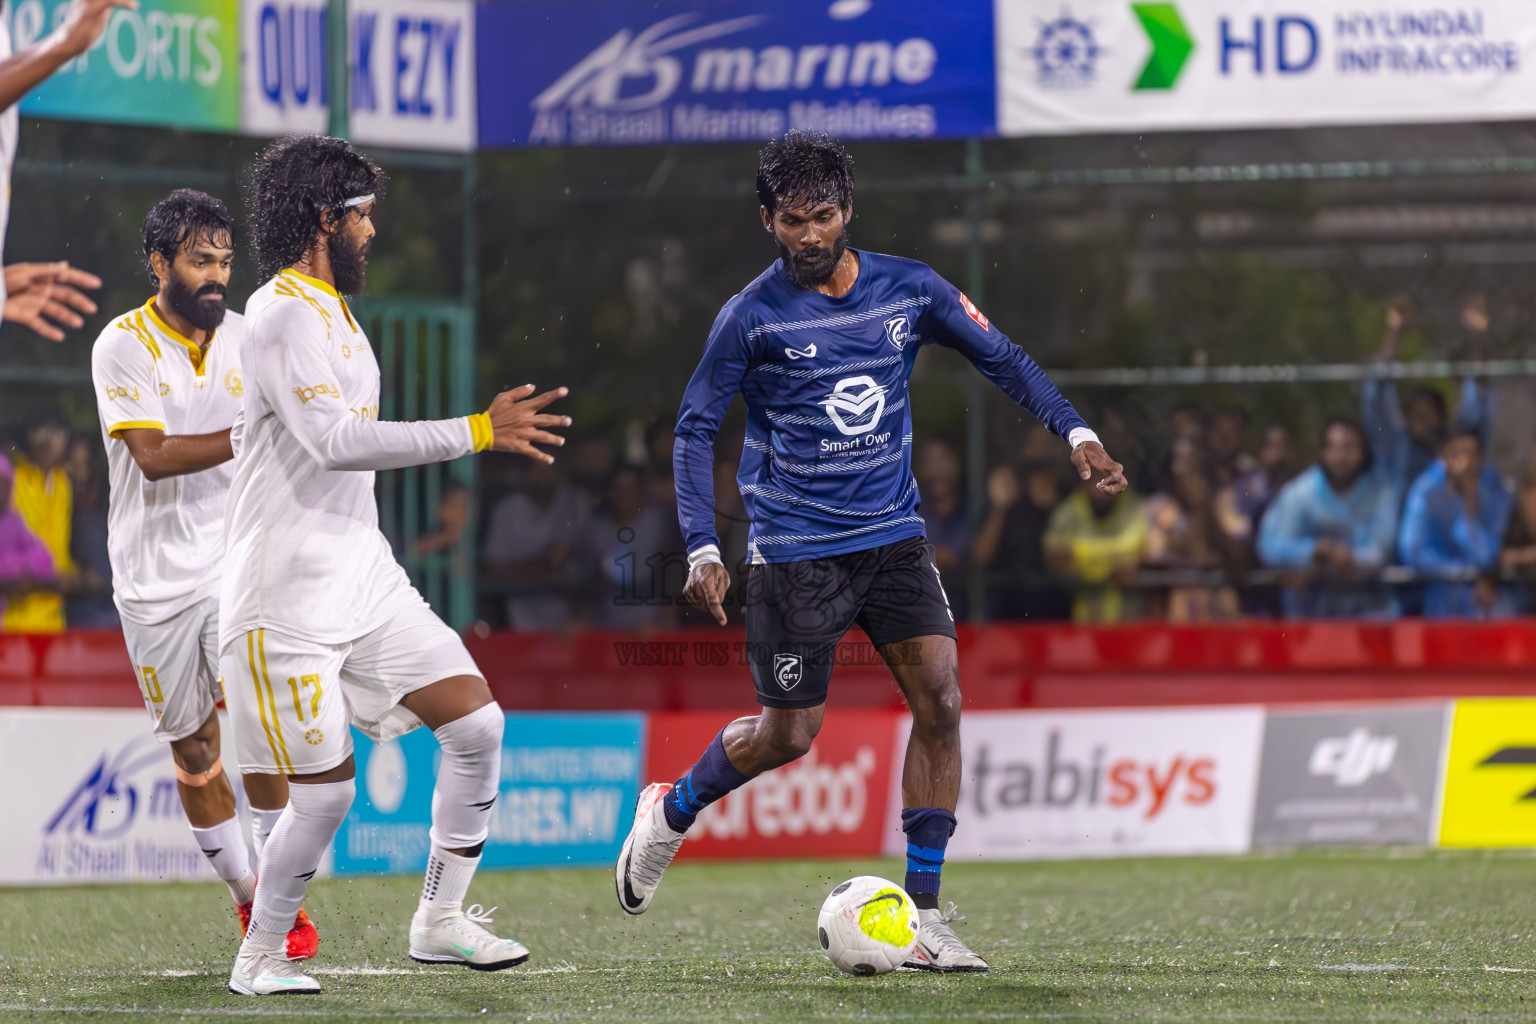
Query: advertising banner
{"type": "Point", "coordinates": [98, 802]}
{"type": "Point", "coordinates": [830, 803]}
{"type": "Point", "coordinates": [412, 71]}
{"type": "Point", "coordinates": [568, 787]}
{"type": "Point", "coordinates": [413, 74]}
{"type": "Point", "coordinates": [1040, 784]}
{"type": "Point", "coordinates": [614, 72]}
{"type": "Point", "coordinates": [284, 62]}
{"type": "Point", "coordinates": [170, 62]}
{"type": "Point", "coordinates": [1356, 775]}
{"type": "Point", "coordinates": [1114, 65]}
{"type": "Point", "coordinates": [1490, 774]}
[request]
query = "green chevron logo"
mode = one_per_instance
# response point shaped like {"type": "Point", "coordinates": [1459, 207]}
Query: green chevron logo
{"type": "Point", "coordinates": [1171, 45]}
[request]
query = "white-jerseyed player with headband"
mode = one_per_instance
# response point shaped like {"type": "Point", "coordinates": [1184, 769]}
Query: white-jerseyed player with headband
{"type": "Point", "coordinates": [319, 625]}
{"type": "Point", "coordinates": [168, 383]}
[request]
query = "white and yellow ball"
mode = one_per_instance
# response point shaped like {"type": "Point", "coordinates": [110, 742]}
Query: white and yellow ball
{"type": "Point", "coordinates": [867, 925]}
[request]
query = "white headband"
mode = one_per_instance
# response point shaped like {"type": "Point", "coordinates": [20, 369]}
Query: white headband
{"type": "Point", "coordinates": [359, 201]}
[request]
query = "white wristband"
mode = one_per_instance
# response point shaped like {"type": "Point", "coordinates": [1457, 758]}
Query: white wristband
{"type": "Point", "coordinates": [703, 555]}
{"type": "Point", "coordinates": [1081, 435]}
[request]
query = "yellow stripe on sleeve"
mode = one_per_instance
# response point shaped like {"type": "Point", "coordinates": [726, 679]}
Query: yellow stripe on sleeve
{"type": "Point", "coordinates": [116, 430]}
{"type": "Point", "coordinates": [480, 430]}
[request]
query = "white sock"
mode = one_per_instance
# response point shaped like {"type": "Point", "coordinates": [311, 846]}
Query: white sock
{"type": "Point", "coordinates": [467, 778]}
{"type": "Point", "coordinates": [447, 883]}
{"type": "Point", "coordinates": [309, 823]}
{"type": "Point", "coordinates": [224, 846]}
{"type": "Point", "coordinates": [262, 824]}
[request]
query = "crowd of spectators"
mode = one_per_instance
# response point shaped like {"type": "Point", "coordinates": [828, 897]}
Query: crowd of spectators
{"type": "Point", "coordinates": [53, 530]}
{"type": "Point", "coordinates": [1401, 512]}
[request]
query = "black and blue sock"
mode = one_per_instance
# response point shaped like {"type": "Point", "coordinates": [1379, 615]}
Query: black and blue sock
{"type": "Point", "coordinates": [708, 780]}
{"type": "Point", "coordinates": [928, 830]}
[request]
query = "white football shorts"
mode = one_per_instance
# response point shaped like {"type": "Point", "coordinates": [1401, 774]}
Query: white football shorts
{"type": "Point", "coordinates": [291, 700]}
{"type": "Point", "coordinates": [177, 665]}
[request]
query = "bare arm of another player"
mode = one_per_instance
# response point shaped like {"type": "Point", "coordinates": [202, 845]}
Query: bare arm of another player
{"type": "Point", "coordinates": [83, 25]}
{"type": "Point", "coordinates": [44, 296]}
{"type": "Point", "coordinates": [160, 456]}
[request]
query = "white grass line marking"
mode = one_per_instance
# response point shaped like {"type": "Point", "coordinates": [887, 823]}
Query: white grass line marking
{"type": "Point", "coordinates": [1508, 970]}
{"type": "Point", "coordinates": [1367, 968]}
{"type": "Point", "coordinates": [396, 972]}
{"type": "Point", "coordinates": [202, 1011]}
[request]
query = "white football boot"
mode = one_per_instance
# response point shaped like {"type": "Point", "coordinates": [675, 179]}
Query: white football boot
{"type": "Point", "coordinates": [458, 937]}
{"type": "Point", "coordinates": [268, 974]}
{"type": "Point", "coordinates": [938, 947]}
{"type": "Point", "coordinates": [649, 849]}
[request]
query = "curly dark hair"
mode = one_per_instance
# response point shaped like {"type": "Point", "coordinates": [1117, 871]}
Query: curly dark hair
{"type": "Point", "coordinates": [182, 219]}
{"type": "Point", "coordinates": [295, 185]}
{"type": "Point", "coordinates": [804, 168]}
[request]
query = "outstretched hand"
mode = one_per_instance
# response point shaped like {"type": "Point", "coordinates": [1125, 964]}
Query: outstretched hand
{"type": "Point", "coordinates": [1090, 458]}
{"type": "Point", "coordinates": [706, 587]}
{"type": "Point", "coordinates": [86, 20]}
{"type": "Point", "coordinates": [44, 296]}
{"type": "Point", "coordinates": [517, 424]}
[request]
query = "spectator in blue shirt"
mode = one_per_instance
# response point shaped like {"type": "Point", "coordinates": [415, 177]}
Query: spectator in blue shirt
{"type": "Point", "coordinates": [1453, 528]}
{"type": "Point", "coordinates": [1407, 437]}
{"type": "Point", "coordinates": [1337, 523]}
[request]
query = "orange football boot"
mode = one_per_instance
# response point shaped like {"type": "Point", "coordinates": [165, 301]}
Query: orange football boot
{"type": "Point", "coordinates": [303, 939]}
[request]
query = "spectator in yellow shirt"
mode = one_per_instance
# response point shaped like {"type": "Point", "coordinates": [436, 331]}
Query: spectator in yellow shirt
{"type": "Point", "coordinates": [42, 496]}
{"type": "Point", "coordinates": [1097, 541]}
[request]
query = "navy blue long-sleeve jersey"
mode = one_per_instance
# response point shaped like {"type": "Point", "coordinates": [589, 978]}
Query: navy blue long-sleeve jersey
{"type": "Point", "coordinates": [826, 468]}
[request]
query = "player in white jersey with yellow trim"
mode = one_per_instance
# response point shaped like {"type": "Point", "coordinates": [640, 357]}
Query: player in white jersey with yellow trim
{"type": "Point", "coordinates": [168, 386]}
{"type": "Point", "coordinates": [319, 625]}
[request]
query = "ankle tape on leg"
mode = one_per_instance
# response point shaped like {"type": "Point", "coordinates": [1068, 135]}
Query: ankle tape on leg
{"type": "Point", "coordinates": [199, 779]}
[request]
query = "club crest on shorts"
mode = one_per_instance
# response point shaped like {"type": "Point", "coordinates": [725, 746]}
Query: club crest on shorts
{"type": "Point", "coordinates": [786, 669]}
{"type": "Point", "coordinates": [898, 331]}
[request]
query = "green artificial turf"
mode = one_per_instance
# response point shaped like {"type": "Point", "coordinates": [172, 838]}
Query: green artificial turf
{"type": "Point", "coordinates": [1354, 936]}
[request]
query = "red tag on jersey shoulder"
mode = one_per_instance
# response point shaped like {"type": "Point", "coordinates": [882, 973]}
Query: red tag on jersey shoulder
{"type": "Point", "coordinates": [974, 313]}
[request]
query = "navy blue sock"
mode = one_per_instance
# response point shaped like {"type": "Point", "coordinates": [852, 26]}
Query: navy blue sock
{"type": "Point", "coordinates": [711, 777]}
{"type": "Point", "coordinates": [928, 830]}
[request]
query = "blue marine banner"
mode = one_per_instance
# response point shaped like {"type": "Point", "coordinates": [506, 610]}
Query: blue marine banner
{"type": "Point", "coordinates": [568, 786]}
{"type": "Point", "coordinates": [616, 72]}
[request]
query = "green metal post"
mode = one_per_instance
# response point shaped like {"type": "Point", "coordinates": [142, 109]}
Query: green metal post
{"type": "Point", "coordinates": [339, 69]}
{"type": "Point", "coordinates": [461, 388]}
{"type": "Point", "coordinates": [975, 417]}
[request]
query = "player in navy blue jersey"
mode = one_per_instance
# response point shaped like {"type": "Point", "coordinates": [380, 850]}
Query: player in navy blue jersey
{"type": "Point", "coordinates": [821, 347]}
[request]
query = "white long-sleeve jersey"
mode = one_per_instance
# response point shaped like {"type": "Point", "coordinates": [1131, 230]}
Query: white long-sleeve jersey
{"type": "Point", "coordinates": [305, 556]}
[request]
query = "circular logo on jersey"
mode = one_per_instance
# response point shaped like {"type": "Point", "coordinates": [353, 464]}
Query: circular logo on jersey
{"type": "Point", "coordinates": [234, 383]}
{"type": "Point", "coordinates": [860, 400]}
{"type": "Point", "coordinates": [314, 737]}
{"type": "Point", "coordinates": [346, 351]}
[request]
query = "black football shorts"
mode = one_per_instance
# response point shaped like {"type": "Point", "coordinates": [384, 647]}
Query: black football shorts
{"type": "Point", "coordinates": [796, 612]}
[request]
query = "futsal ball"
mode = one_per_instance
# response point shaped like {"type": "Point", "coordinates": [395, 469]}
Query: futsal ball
{"type": "Point", "coordinates": [867, 925]}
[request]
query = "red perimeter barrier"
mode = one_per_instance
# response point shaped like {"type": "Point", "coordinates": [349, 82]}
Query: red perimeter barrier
{"type": "Point", "coordinates": [1001, 666]}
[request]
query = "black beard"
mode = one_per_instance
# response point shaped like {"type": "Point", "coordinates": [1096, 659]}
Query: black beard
{"type": "Point", "coordinates": [349, 263]}
{"type": "Point", "coordinates": [204, 309]}
{"type": "Point", "coordinates": [809, 273]}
